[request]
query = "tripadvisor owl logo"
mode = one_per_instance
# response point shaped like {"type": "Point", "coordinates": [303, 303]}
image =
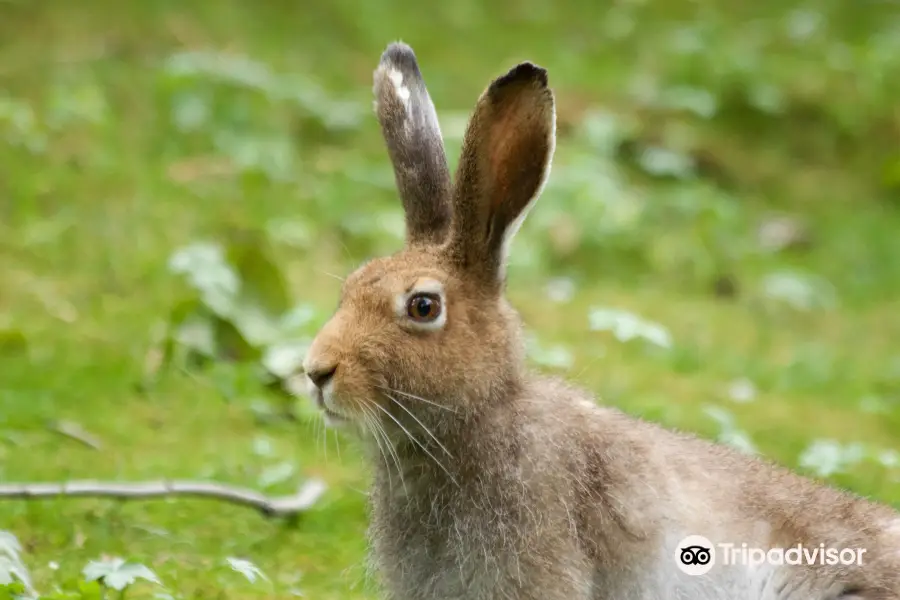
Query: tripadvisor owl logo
{"type": "Point", "coordinates": [696, 555]}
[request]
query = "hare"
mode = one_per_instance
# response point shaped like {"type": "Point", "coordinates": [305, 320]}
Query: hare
{"type": "Point", "coordinates": [491, 482]}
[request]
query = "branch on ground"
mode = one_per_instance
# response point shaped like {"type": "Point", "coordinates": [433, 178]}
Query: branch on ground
{"type": "Point", "coordinates": [280, 506]}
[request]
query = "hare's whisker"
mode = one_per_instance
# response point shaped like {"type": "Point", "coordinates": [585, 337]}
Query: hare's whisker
{"type": "Point", "coordinates": [319, 424]}
{"type": "Point", "coordinates": [347, 251]}
{"type": "Point", "coordinates": [387, 440]}
{"type": "Point", "coordinates": [428, 431]}
{"type": "Point", "coordinates": [323, 434]}
{"type": "Point", "coordinates": [417, 442]}
{"type": "Point", "coordinates": [369, 422]}
{"type": "Point", "coordinates": [337, 445]}
{"type": "Point", "coordinates": [338, 277]}
{"type": "Point", "coordinates": [414, 397]}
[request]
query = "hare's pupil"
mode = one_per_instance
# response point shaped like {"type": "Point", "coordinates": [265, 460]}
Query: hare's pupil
{"type": "Point", "coordinates": [423, 307]}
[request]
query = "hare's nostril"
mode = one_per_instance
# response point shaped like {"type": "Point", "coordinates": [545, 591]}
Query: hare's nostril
{"type": "Point", "coordinates": [321, 376]}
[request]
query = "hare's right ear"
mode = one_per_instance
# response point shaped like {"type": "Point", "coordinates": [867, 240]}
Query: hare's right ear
{"type": "Point", "coordinates": [506, 155]}
{"type": "Point", "coordinates": [413, 137]}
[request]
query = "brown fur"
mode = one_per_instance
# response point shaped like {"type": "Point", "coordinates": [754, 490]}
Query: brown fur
{"type": "Point", "coordinates": [492, 482]}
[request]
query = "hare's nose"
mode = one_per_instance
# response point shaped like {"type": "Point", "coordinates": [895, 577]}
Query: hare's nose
{"type": "Point", "coordinates": [320, 376]}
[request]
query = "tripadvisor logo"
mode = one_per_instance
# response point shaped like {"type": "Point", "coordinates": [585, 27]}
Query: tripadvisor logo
{"type": "Point", "coordinates": [696, 555]}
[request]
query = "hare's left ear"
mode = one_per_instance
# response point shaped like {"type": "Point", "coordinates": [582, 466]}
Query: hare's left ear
{"type": "Point", "coordinates": [505, 161]}
{"type": "Point", "coordinates": [413, 137]}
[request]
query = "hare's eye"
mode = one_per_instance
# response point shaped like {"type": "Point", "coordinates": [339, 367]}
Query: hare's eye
{"type": "Point", "coordinates": [424, 307]}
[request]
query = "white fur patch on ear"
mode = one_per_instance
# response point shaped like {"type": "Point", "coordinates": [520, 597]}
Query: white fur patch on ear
{"type": "Point", "coordinates": [412, 135]}
{"type": "Point", "coordinates": [396, 78]}
{"type": "Point", "coordinates": [401, 93]}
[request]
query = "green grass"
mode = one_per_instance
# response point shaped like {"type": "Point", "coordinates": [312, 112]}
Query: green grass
{"type": "Point", "coordinates": [112, 162]}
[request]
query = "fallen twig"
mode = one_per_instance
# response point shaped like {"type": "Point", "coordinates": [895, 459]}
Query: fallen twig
{"type": "Point", "coordinates": [306, 495]}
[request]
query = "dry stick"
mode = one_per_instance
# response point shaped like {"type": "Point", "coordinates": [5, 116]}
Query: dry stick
{"type": "Point", "coordinates": [281, 506]}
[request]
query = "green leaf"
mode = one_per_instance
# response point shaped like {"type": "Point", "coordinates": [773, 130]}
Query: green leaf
{"type": "Point", "coordinates": [195, 333]}
{"type": "Point", "coordinates": [802, 291]}
{"type": "Point", "coordinates": [9, 544]}
{"type": "Point", "coordinates": [191, 333]}
{"type": "Point", "coordinates": [275, 474]}
{"type": "Point", "coordinates": [664, 162]}
{"type": "Point", "coordinates": [285, 359]}
{"type": "Point", "coordinates": [83, 102]}
{"type": "Point", "coordinates": [331, 115]}
{"type": "Point", "coordinates": [11, 591]}
{"type": "Point", "coordinates": [12, 569]}
{"type": "Point", "coordinates": [825, 457]}
{"type": "Point", "coordinates": [13, 341]}
{"type": "Point", "coordinates": [206, 270]}
{"type": "Point", "coordinates": [19, 125]}
{"type": "Point", "coordinates": [129, 573]}
{"type": "Point", "coordinates": [242, 288]}
{"type": "Point", "coordinates": [891, 173]}
{"type": "Point", "coordinates": [627, 326]}
{"type": "Point", "coordinates": [554, 356]}
{"type": "Point", "coordinates": [230, 341]}
{"type": "Point", "coordinates": [118, 574]}
{"type": "Point", "coordinates": [190, 111]}
{"type": "Point", "coordinates": [272, 156]}
{"type": "Point", "coordinates": [246, 568]}
{"type": "Point", "coordinates": [261, 282]}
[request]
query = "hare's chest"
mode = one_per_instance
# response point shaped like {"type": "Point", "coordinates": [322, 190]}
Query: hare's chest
{"type": "Point", "coordinates": [472, 552]}
{"type": "Point", "coordinates": [425, 556]}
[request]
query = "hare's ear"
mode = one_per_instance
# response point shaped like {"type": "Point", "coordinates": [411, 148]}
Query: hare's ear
{"type": "Point", "coordinates": [413, 137]}
{"type": "Point", "coordinates": [505, 161]}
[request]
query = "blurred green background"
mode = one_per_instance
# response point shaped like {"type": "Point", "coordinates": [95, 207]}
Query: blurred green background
{"type": "Point", "coordinates": [181, 184]}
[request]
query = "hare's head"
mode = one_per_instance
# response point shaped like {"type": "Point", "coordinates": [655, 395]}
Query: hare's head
{"type": "Point", "coordinates": [429, 325]}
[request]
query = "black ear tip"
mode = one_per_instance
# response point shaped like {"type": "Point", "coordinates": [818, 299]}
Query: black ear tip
{"type": "Point", "coordinates": [400, 56]}
{"type": "Point", "coordinates": [524, 72]}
